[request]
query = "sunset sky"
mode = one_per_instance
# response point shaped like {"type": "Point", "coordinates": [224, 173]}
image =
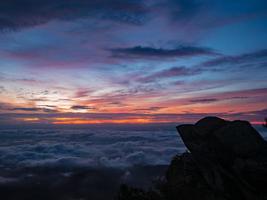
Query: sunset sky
{"type": "Point", "coordinates": [132, 61]}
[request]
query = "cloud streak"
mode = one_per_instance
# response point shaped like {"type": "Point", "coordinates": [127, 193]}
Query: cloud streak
{"type": "Point", "coordinates": [210, 100]}
{"type": "Point", "coordinates": [81, 107]}
{"type": "Point", "coordinates": [145, 52]}
{"type": "Point", "coordinates": [247, 58]}
{"type": "Point", "coordinates": [170, 73]}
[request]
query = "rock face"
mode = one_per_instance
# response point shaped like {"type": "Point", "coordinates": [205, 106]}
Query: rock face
{"type": "Point", "coordinates": [230, 156]}
{"type": "Point", "coordinates": [227, 161]}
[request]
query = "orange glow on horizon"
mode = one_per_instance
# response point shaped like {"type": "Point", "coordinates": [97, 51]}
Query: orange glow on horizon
{"type": "Point", "coordinates": [65, 121]}
{"type": "Point", "coordinates": [29, 119]}
{"type": "Point", "coordinates": [129, 120]}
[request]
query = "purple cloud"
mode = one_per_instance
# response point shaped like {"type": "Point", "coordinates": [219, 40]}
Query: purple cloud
{"type": "Point", "coordinates": [168, 73]}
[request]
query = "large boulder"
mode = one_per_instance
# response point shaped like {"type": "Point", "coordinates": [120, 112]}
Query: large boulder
{"type": "Point", "coordinates": [231, 156]}
{"type": "Point", "coordinates": [227, 160]}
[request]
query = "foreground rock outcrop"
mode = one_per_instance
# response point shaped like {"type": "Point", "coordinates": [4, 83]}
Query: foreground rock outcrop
{"type": "Point", "coordinates": [227, 161]}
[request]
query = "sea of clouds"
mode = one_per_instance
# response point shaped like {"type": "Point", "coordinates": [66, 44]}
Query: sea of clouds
{"type": "Point", "coordinates": [87, 147]}
{"type": "Point", "coordinates": [92, 147]}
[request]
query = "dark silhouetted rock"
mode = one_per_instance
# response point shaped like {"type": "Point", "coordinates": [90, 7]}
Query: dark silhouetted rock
{"type": "Point", "coordinates": [230, 155]}
{"type": "Point", "coordinates": [227, 161]}
{"type": "Point", "coordinates": [184, 180]}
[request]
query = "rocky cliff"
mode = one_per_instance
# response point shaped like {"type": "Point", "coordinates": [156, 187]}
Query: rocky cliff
{"type": "Point", "coordinates": [227, 160]}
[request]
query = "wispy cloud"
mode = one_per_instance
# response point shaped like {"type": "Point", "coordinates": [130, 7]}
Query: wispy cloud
{"type": "Point", "coordinates": [153, 108]}
{"type": "Point", "coordinates": [251, 59]}
{"type": "Point", "coordinates": [82, 92]}
{"type": "Point", "coordinates": [168, 73]}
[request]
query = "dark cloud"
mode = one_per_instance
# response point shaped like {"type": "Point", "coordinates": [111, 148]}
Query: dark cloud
{"type": "Point", "coordinates": [80, 107]}
{"type": "Point", "coordinates": [168, 73]}
{"type": "Point", "coordinates": [17, 14]}
{"type": "Point", "coordinates": [210, 100]}
{"type": "Point", "coordinates": [33, 109]}
{"type": "Point", "coordinates": [144, 52]}
{"type": "Point", "coordinates": [25, 109]}
{"type": "Point", "coordinates": [49, 110]}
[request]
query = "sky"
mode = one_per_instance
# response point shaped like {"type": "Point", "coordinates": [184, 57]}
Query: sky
{"type": "Point", "coordinates": [132, 61]}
